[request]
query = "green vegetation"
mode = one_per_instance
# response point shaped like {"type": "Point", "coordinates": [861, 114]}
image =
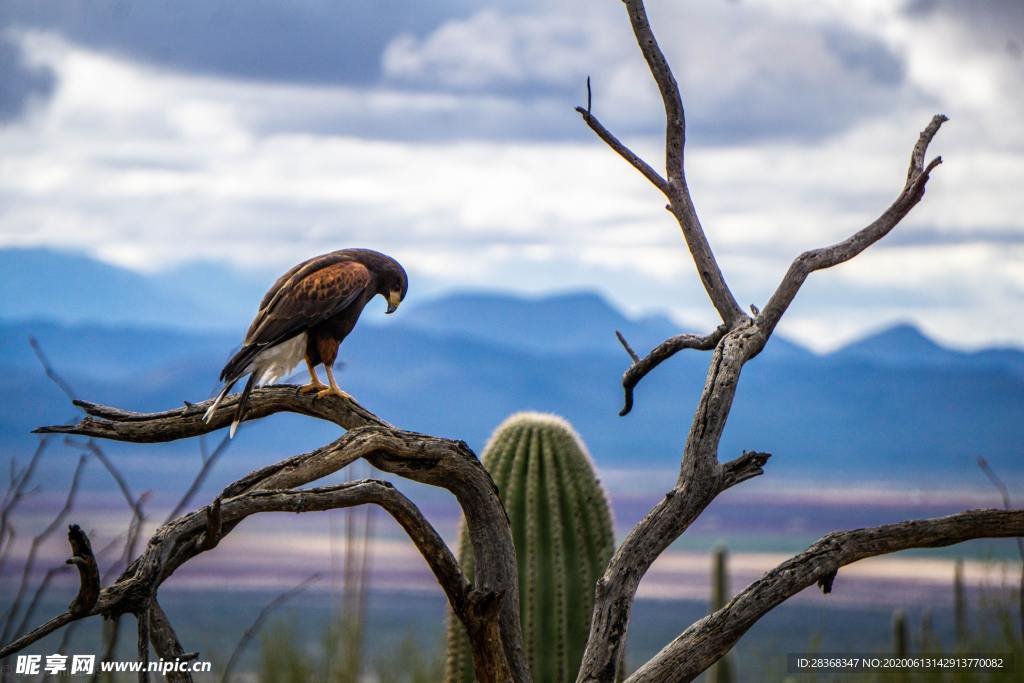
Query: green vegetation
{"type": "Point", "coordinates": [989, 630]}
{"type": "Point", "coordinates": [286, 658]}
{"type": "Point", "coordinates": [722, 670]}
{"type": "Point", "coordinates": [562, 530]}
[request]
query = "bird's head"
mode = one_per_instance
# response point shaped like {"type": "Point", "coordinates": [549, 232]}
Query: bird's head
{"type": "Point", "coordinates": [393, 283]}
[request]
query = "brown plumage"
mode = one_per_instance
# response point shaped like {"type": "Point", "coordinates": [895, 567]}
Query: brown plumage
{"type": "Point", "coordinates": [306, 315]}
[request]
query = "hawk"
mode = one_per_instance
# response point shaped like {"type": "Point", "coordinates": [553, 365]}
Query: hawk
{"type": "Point", "coordinates": [306, 315]}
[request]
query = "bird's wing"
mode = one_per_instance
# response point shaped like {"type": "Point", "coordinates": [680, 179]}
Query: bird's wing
{"type": "Point", "coordinates": [308, 294]}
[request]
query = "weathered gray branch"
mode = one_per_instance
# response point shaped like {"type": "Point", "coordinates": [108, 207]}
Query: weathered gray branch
{"type": "Point", "coordinates": [702, 476]}
{"type": "Point", "coordinates": [705, 641]}
{"type": "Point", "coordinates": [489, 609]}
{"type": "Point", "coordinates": [826, 257]}
{"type": "Point", "coordinates": [673, 185]}
{"type": "Point", "coordinates": [165, 642]}
{"type": "Point", "coordinates": [105, 422]}
{"type": "Point", "coordinates": [88, 572]}
{"type": "Point", "coordinates": [660, 353]}
{"type": "Point", "coordinates": [625, 152]}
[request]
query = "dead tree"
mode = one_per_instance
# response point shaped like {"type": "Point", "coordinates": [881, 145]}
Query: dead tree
{"type": "Point", "coordinates": [489, 607]}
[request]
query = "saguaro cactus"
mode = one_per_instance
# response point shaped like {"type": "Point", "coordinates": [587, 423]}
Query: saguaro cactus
{"type": "Point", "coordinates": [562, 530]}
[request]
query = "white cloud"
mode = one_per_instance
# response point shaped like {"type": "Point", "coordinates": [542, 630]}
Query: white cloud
{"type": "Point", "coordinates": [149, 168]}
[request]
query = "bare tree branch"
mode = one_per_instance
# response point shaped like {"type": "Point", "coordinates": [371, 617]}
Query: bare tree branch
{"type": "Point", "coordinates": [673, 185]}
{"type": "Point", "coordinates": [701, 479]}
{"type": "Point", "coordinates": [142, 644]}
{"type": "Point", "coordinates": [705, 641]}
{"type": "Point", "coordinates": [40, 538]}
{"type": "Point", "coordinates": [165, 642]}
{"type": "Point", "coordinates": [88, 572]}
{"type": "Point", "coordinates": [826, 257]}
{"type": "Point", "coordinates": [1004, 493]}
{"type": "Point", "coordinates": [209, 460]}
{"type": "Point", "coordinates": [50, 372]}
{"type": "Point", "coordinates": [254, 628]}
{"type": "Point", "coordinates": [489, 609]}
{"type": "Point", "coordinates": [15, 494]}
{"type": "Point", "coordinates": [122, 425]}
{"type": "Point", "coordinates": [701, 476]}
{"type": "Point", "coordinates": [625, 152]}
{"type": "Point", "coordinates": [678, 193]}
{"type": "Point", "coordinates": [37, 596]}
{"type": "Point", "coordinates": [662, 352]}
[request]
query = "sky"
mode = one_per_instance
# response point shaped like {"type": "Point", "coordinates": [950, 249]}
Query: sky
{"type": "Point", "coordinates": [152, 135]}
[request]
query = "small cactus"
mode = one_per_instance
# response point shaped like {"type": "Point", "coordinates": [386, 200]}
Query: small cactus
{"type": "Point", "coordinates": [562, 532]}
{"type": "Point", "coordinates": [721, 671]}
{"type": "Point", "coordinates": [928, 642]}
{"type": "Point", "coordinates": [899, 633]}
{"type": "Point", "coordinates": [959, 603]}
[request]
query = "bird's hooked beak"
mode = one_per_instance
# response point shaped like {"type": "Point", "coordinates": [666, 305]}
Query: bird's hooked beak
{"type": "Point", "coordinates": [394, 298]}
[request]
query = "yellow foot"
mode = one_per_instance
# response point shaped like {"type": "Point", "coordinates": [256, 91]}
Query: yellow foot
{"type": "Point", "coordinates": [329, 391]}
{"type": "Point", "coordinates": [311, 387]}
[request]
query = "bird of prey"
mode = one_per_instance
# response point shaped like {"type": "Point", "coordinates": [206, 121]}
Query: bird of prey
{"type": "Point", "coordinates": [306, 315]}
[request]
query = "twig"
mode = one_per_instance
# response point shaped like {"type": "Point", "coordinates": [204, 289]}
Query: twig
{"type": "Point", "coordinates": [39, 539]}
{"type": "Point", "coordinates": [1004, 493]}
{"type": "Point", "coordinates": [15, 494]}
{"type": "Point", "coordinates": [50, 372]}
{"type": "Point", "coordinates": [619, 148]}
{"type": "Point", "coordinates": [625, 345]}
{"type": "Point", "coordinates": [254, 628]}
{"type": "Point", "coordinates": [208, 462]}
{"type": "Point", "coordinates": [662, 352]}
{"type": "Point", "coordinates": [119, 478]}
{"type": "Point", "coordinates": [37, 596]}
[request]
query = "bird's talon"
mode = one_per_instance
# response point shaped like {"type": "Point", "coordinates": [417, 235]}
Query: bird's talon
{"type": "Point", "coordinates": [311, 387]}
{"type": "Point", "coordinates": [329, 391]}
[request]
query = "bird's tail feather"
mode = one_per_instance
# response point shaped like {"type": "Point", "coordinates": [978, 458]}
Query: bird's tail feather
{"type": "Point", "coordinates": [208, 415]}
{"type": "Point", "coordinates": [242, 400]}
{"type": "Point", "coordinates": [239, 363]}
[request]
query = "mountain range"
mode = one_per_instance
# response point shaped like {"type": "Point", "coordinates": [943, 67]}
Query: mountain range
{"type": "Point", "coordinates": [894, 407]}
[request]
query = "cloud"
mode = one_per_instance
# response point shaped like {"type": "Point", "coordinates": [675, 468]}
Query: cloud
{"type": "Point", "coordinates": [314, 41]}
{"type": "Point", "coordinates": [748, 72]}
{"type": "Point", "coordinates": [23, 82]}
{"type": "Point", "coordinates": [474, 177]}
{"type": "Point", "coordinates": [480, 70]}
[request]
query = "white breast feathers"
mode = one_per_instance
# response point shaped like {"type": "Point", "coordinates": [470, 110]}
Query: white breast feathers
{"type": "Point", "coordinates": [278, 361]}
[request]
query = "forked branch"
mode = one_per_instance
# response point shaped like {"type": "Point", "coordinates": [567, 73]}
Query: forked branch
{"type": "Point", "coordinates": [826, 257]}
{"type": "Point", "coordinates": [703, 643]}
{"type": "Point", "coordinates": [662, 352]}
{"type": "Point", "coordinates": [702, 476]}
{"type": "Point", "coordinates": [673, 185]}
{"type": "Point", "coordinates": [488, 608]}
